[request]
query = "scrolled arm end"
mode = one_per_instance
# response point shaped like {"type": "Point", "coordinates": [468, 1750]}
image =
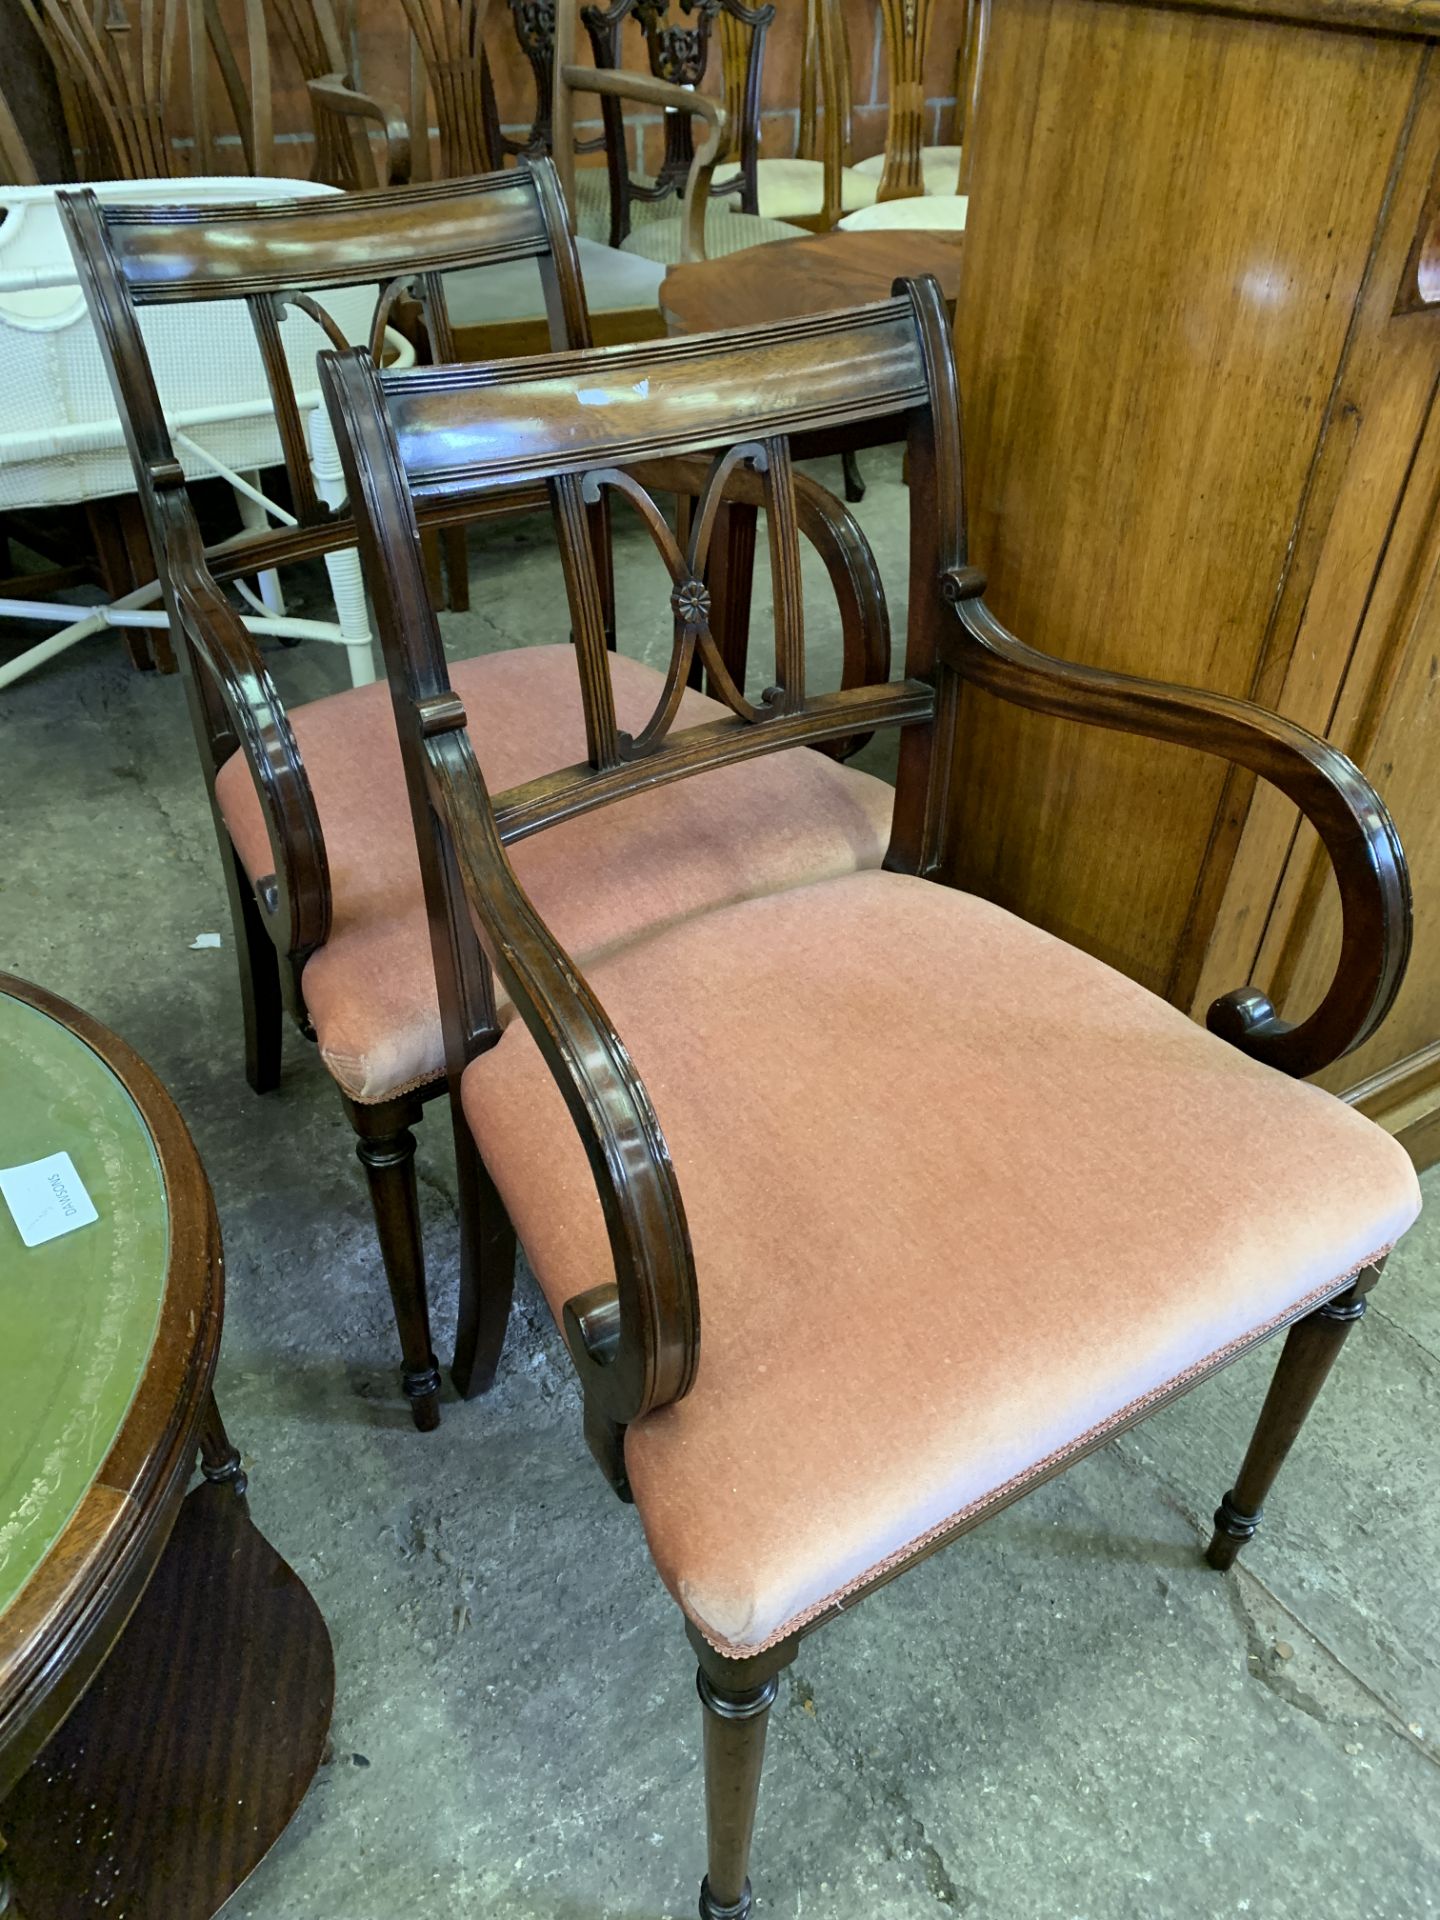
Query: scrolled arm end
{"type": "Point", "coordinates": [1351, 820]}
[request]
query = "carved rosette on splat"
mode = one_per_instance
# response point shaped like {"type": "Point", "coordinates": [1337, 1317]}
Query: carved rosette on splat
{"type": "Point", "coordinates": [694, 642]}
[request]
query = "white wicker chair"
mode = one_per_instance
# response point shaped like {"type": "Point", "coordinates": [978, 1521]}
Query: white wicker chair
{"type": "Point", "coordinates": [62, 443]}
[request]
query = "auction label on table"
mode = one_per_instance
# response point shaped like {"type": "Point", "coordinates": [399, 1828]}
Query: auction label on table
{"type": "Point", "coordinates": [46, 1198]}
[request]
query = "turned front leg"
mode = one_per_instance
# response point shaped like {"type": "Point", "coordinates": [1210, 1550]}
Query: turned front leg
{"type": "Point", "coordinates": [1311, 1349]}
{"type": "Point", "coordinates": [386, 1149]}
{"type": "Point", "coordinates": [735, 1722]}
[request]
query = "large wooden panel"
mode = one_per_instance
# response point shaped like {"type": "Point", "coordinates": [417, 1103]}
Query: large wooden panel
{"type": "Point", "coordinates": [1172, 216]}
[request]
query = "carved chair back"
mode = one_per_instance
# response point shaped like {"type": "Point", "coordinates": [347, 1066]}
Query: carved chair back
{"type": "Point", "coordinates": [450, 38]}
{"type": "Point", "coordinates": [587, 426]}
{"type": "Point", "coordinates": [275, 257]}
{"type": "Point", "coordinates": [908, 25]}
{"type": "Point", "coordinates": [825, 90]}
{"type": "Point", "coordinates": [320, 37]}
{"type": "Point", "coordinates": [115, 60]}
{"type": "Point", "coordinates": [679, 55]}
{"type": "Point", "coordinates": [534, 25]}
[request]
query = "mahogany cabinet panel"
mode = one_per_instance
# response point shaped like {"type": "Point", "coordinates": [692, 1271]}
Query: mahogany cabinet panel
{"type": "Point", "coordinates": [1198, 384]}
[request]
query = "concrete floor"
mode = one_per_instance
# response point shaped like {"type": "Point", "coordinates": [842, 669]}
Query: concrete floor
{"type": "Point", "coordinates": [1066, 1717]}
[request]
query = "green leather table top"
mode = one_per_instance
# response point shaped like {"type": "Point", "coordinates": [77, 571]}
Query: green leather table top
{"type": "Point", "coordinates": [79, 1313]}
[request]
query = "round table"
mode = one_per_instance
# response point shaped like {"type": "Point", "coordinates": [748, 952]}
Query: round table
{"type": "Point", "coordinates": [119, 1783]}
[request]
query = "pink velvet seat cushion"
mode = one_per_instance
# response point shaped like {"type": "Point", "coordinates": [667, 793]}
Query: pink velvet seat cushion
{"type": "Point", "coordinates": [599, 880]}
{"type": "Point", "coordinates": [959, 1196]}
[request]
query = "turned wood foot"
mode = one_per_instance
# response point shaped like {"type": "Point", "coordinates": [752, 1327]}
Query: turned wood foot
{"type": "Point", "coordinates": [219, 1458]}
{"type": "Point", "coordinates": [1311, 1348]}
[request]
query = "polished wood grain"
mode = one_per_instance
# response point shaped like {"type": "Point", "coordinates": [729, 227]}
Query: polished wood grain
{"type": "Point", "coordinates": [795, 277]}
{"type": "Point", "coordinates": [60, 1628]}
{"type": "Point", "coordinates": [1199, 424]}
{"type": "Point", "coordinates": [743, 399]}
{"type": "Point", "coordinates": [190, 1753]}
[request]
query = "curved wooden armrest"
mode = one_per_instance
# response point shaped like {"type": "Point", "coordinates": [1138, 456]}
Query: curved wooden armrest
{"type": "Point", "coordinates": [299, 900]}
{"type": "Point", "coordinates": [1335, 797]}
{"type": "Point", "coordinates": [333, 94]}
{"type": "Point", "coordinates": [635, 1340]}
{"type": "Point", "coordinates": [646, 90]}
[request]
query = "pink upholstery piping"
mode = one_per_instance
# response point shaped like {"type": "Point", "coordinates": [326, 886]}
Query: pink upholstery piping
{"type": "Point", "coordinates": [1316, 1297]}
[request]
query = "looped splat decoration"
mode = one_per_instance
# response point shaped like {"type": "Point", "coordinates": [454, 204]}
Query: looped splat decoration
{"type": "Point", "coordinates": [690, 595]}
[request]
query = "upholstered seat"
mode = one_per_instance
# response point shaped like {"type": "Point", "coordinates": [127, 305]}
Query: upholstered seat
{"type": "Point", "coordinates": [599, 880]}
{"type": "Point", "coordinates": [790, 189]}
{"type": "Point", "coordinates": [934, 212]}
{"type": "Point", "coordinates": [727, 230]}
{"type": "Point", "coordinates": [592, 203]}
{"type": "Point", "coordinates": [614, 282]}
{"type": "Point", "coordinates": [959, 1196]}
{"type": "Point", "coordinates": [939, 168]}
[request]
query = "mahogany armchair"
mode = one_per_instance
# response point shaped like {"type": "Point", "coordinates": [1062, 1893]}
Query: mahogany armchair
{"type": "Point", "coordinates": [808, 1369]}
{"type": "Point", "coordinates": [309, 805]}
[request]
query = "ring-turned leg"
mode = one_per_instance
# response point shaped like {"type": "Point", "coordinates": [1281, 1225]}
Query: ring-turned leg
{"type": "Point", "coordinates": [386, 1148]}
{"type": "Point", "coordinates": [736, 1698]}
{"type": "Point", "coordinates": [1311, 1348]}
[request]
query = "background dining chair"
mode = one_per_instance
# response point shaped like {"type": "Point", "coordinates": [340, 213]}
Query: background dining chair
{"type": "Point", "coordinates": [916, 185]}
{"type": "Point", "coordinates": [701, 227]}
{"type": "Point", "coordinates": [127, 116]}
{"type": "Point", "coordinates": [309, 804]}
{"type": "Point", "coordinates": [795, 188]}
{"type": "Point", "coordinates": [810, 1364]}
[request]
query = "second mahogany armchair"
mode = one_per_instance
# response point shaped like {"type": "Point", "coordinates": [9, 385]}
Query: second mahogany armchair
{"type": "Point", "coordinates": [309, 802]}
{"type": "Point", "coordinates": [864, 1206]}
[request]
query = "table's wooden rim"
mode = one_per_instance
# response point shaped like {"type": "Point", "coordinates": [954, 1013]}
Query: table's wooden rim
{"type": "Point", "coordinates": [64, 1620]}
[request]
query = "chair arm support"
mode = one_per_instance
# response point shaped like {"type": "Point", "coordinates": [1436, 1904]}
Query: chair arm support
{"type": "Point", "coordinates": [646, 90]}
{"type": "Point", "coordinates": [236, 672]}
{"type": "Point", "coordinates": [645, 1355]}
{"type": "Point", "coordinates": [332, 93]}
{"type": "Point", "coordinates": [1335, 797]}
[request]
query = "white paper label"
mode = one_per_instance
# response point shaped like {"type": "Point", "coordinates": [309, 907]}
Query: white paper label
{"type": "Point", "coordinates": [46, 1198]}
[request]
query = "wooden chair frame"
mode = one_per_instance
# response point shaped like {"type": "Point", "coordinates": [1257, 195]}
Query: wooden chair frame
{"type": "Point", "coordinates": [614, 85]}
{"type": "Point", "coordinates": [132, 257]}
{"type": "Point", "coordinates": [404, 241]}
{"type": "Point", "coordinates": [635, 1339]}
{"type": "Point", "coordinates": [116, 76]}
{"type": "Point", "coordinates": [679, 57]}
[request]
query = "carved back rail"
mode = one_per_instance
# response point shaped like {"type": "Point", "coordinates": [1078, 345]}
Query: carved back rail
{"type": "Point", "coordinates": [586, 425]}
{"type": "Point", "coordinates": [274, 256]}
{"type": "Point", "coordinates": [278, 255]}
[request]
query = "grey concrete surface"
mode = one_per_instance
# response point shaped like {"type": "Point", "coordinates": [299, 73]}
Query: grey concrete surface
{"type": "Point", "coordinates": [1066, 1717]}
